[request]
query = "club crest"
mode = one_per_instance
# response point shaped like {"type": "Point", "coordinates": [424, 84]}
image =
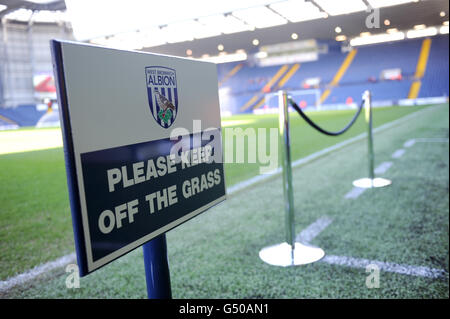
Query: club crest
{"type": "Point", "coordinates": [162, 94]}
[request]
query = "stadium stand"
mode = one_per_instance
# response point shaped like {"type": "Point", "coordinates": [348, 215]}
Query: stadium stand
{"type": "Point", "coordinates": [435, 81]}
{"type": "Point", "coordinates": [6, 125]}
{"type": "Point", "coordinates": [3, 122]}
{"type": "Point", "coordinates": [371, 60]}
{"type": "Point", "coordinates": [227, 71]}
{"type": "Point", "coordinates": [367, 66]}
{"type": "Point", "coordinates": [251, 79]}
{"type": "Point", "coordinates": [381, 90]}
{"type": "Point", "coordinates": [325, 68]}
{"type": "Point", "coordinates": [23, 115]}
{"type": "Point", "coordinates": [245, 84]}
{"type": "Point", "coordinates": [362, 72]}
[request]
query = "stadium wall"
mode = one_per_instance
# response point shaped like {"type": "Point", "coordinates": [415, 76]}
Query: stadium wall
{"type": "Point", "coordinates": [25, 52]}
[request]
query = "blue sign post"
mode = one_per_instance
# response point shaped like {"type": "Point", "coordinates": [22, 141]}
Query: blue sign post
{"type": "Point", "coordinates": [156, 264]}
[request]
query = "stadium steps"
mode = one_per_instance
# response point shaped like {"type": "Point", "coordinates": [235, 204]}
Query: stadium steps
{"type": "Point", "coordinates": [420, 69]}
{"type": "Point", "coordinates": [7, 120]}
{"type": "Point", "coordinates": [258, 99]}
{"type": "Point", "coordinates": [339, 74]}
{"type": "Point", "coordinates": [231, 73]}
{"type": "Point", "coordinates": [280, 83]}
{"type": "Point", "coordinates": [414, 89]}
{"type": "Point", "coordinates": [287, 76]}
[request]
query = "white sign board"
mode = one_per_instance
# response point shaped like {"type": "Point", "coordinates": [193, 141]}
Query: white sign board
{"type": "Point", "coordinates": [142, 145]}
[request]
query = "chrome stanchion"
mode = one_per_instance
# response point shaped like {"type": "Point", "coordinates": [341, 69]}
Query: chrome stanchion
{"type": "Point", "coordinates": [156, 264]}
{"type": "Point", "coordinates": [371, 181]}
{"type": "Point", "coordinates": [290, 252]}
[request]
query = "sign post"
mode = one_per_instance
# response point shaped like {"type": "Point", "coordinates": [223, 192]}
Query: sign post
{"type": "Point", "coordinates": [143, 151]}
{"type": "Point", "coordinates": [156, 265]}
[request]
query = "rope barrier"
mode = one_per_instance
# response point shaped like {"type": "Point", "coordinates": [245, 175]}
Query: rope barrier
{"type": "Point", "coordinates": [314, 125]}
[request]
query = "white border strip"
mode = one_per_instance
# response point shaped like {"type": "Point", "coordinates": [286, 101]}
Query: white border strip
{"type": "Point", "coordinates": [409, 143]}
{"type": "Point", "coordinates": [398, 153]}
{"type": "Point", "coordinates": [383, 168]}
{"type": "Point", "coordinates": [313, 230]}
{"type": "Point", "coordinates": [355, 192]}
{"type": "Point", "coordinates": [419, 271]}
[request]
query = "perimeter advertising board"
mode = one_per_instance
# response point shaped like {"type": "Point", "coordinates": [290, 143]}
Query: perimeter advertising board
{"type": "Point", "coordinates": [142, 144]}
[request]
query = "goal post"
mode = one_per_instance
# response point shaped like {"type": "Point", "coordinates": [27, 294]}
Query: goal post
{"type": "Point", "coordinates": [306, 99]}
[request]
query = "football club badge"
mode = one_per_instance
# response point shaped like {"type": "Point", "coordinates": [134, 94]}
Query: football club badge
{"type": "Point", "coordinates": [162, 94]}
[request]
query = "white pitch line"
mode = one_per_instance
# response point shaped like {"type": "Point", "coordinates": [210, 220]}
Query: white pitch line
{"type": "Point", "coordinates": [252, 181]}
{"type": "Point", "coordinates": [383, 168]}
{"type": "Point", "coordinates": [355, 192]}
{"type": "Point", "coordinates": [398, 153]}
{"type": "Point", "coordinates": [386, 266]}
{"type": "Point", "coordinates": [60, 262]}
{"type": "Point", "coordinates": [313, 230]}
{"type": "Point", "coordinates": [36, 271]}
{"type": "Point", "coordinates": [432, 140]}
{"type": "Point", "coordinates": [413, 141]}
{"type": "Point", "coordinates": [409, 143]}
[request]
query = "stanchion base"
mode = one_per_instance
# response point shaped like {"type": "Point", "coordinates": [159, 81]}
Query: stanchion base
{"type": "Point", "coordinates": [371, 183]}
{"type": "Point", "coordinates": [283, 254]}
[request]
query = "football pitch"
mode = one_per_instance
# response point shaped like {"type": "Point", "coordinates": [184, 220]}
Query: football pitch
{"type": "Point", "coordinates": [402, 229]}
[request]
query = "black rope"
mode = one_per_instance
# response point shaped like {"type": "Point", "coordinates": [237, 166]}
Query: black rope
{"type": "Point", "coordinates": [310, 122]}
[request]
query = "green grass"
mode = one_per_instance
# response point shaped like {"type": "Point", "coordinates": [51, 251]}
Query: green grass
{"type": "Point", "coordinates": [306, 140]}
{"type": "Point", "coordinates": [216, 254]}
{"type": "Point", "coordinates": [35, 223]}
